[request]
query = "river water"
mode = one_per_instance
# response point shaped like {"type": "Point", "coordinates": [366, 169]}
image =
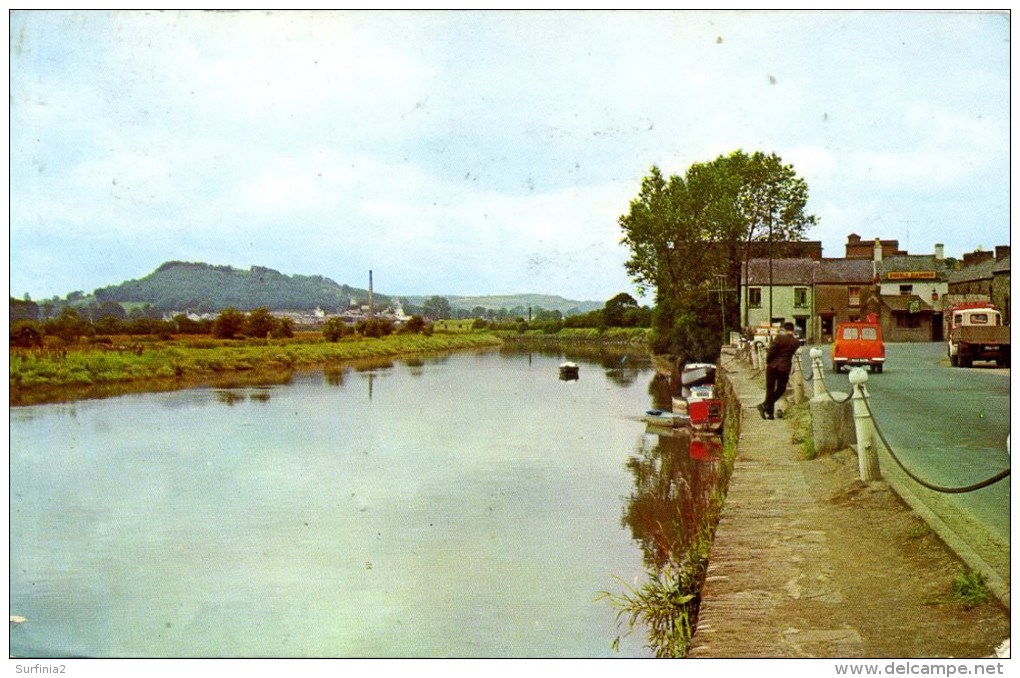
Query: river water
{"type": "Point", "coordinates": [468, 505]}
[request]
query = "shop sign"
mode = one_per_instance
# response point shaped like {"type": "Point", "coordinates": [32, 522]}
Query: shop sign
{"type": "Point", "coordinates": [911, 275]}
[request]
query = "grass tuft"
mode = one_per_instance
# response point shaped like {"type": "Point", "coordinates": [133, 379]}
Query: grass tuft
{"type": "Point", "coordinates": [970, 588]}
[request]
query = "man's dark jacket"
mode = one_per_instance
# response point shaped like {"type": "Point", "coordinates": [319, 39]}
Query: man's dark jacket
{"type": "Point", "coordinates": [781, 352]}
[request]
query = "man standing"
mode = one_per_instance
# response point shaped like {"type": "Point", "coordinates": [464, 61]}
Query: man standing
{"type": "Point", "coordinates": [778, 362]}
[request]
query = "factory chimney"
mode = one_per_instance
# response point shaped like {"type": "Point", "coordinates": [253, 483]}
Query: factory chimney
{"type": "Point", "coordinates": [371, 309]}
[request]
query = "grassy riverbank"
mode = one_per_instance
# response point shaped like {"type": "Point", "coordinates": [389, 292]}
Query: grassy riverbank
{"type": "Point", "coordinates": [637, 336]}
{"type": "Point", "coordinates": [189, 358]}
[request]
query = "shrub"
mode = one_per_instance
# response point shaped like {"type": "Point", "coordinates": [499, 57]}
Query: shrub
{"type": "Point", "coordinates": [375, 328]}
{"type": "Point", "coordinates": [26, 334]}
{"type": "Point", "coordinates": [336, 329]}
{"type": "Point", "coordinates": [228, 324]}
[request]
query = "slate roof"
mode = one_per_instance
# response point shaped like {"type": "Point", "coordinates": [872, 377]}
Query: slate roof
{"type": "Point", "coordinates": [901, 302]}
{"type": "Point", "coordinates": [979, 271]}
{"type": "Point", "coordinates": [1002, 265]}
{"type": "Point", "coordinates": [844, 272]}
{"type": "Point", "coordinates": [913, 262]}
{"type": "Point", "coordinates": [784, 272]}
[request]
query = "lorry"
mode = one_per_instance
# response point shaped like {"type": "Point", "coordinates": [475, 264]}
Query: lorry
{"type": "Point", "coordinates": [976, 332]}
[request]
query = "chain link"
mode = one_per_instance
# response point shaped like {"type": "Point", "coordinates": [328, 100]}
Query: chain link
{"type": "Point", "coordinates": [931, 486]}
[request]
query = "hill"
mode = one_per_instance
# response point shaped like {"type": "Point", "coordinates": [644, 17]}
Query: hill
{"type": "Point", "coordinates": [546, 302]}
{"type": "Point", "coordinates": [180, 286]}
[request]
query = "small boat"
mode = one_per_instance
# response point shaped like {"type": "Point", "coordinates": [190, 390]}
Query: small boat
{"type": "Point", "coordinates": [706, 414]}
{"type": "Point", "coordinates": [663, 419]}
{"type": "Point", "coordinates": [703, 408]}
{"type": "Point", "coordinates": [569, 370]}
{"type": "Point", "coordinates": [696, 374]}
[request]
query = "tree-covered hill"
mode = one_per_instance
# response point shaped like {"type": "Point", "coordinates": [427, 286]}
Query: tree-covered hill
{"type": "Point", "coordinates": [511, 301]}
{"type": "Point", "coordinates": [186, 286]}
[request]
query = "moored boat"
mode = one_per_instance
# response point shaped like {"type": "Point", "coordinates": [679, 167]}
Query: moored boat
{"type": "Point", "coordinates": [696, 374]}
{"type": "Point", "coordinates": [569, 370]}
{"type": "Point", "coordinates": [663, 419]}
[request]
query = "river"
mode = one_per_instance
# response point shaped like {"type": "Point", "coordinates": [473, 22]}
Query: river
{"type": "Point", "coordinates": [465, 505]}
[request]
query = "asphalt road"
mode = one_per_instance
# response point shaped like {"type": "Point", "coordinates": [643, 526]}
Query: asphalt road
{"type": "Point", "coordinates": [947, 425]}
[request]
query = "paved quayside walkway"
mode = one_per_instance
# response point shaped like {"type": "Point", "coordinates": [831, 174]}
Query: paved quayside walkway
{"type": "Point", "coordinates": [790, 572]}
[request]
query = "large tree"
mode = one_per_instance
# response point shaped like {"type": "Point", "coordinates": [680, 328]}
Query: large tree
{"type": "Point", "coordinates": [690, 235]}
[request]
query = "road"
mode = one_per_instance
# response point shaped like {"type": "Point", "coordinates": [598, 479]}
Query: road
{"type": "Point", "coordinates": [947, 425]}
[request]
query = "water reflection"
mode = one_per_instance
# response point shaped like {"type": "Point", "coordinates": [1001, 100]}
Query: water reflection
{"type": "Point", "coordinates": [384, 528]}
{"type": "Point", "coordinates": [674, 479]}
{"type": "Point", "coordinates": [231, 397]}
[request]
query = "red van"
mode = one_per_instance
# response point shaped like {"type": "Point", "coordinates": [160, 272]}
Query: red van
{"type": "Point", "coordinates": [858, 344]}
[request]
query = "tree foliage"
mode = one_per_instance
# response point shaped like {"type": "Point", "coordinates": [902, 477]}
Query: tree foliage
{"type": "Point", "coordinates": [689, 236]}
{"type": "Point", "coordinates": [229, 324]}
{"type": "Point", "coordinates": [180, 286]}
{"type": "Point", "coordinates": [436, 308]}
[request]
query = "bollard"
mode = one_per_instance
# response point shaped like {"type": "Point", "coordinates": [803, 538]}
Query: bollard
{"type": "Point", "coordinates": [816, 371]}
{"type": "Point", "coordinates": [755, 358]}
{"type": "Point", "coordinates": [798, 379]}
{"type": "Point", "coordinates": [867, 455]}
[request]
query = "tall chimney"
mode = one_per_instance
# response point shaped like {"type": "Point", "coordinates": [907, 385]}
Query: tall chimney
{"type": "Point", "coordinates": [878, 250]}
{"type": "Point", "coordinates": [1001, 252]}
{"type": "Point", "coordinates": [940, 251]}
{"type": "Point", "coordinates": [876, 258]}
{"type": "Point", "coordinates": [370, 308]}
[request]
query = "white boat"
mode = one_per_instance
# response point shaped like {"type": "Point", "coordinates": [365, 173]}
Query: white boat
{"type": "Point", "coordinates": [696, 374]}
{"type": "Point", "coordinates": [569, 370]}
{"type": "Point", "coordinates": [664, 419]}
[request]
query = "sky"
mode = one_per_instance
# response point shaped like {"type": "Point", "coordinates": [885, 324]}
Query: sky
{"type": "Point", "coordinates": [476, 152]}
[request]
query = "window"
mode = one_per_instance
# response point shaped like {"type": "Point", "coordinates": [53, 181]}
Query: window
{"type": "Point", "coordinates": [869, 334]}
{"type": "Point", "coordinates": [850, 333]}
{"type": "Point", "coordinates": [754, 297]}
{"type": "Point", "coordinates": [906, 290]}
{"type": "Point", "coordinates": [854, 296]}
{"type": "Point", "coordinates": [800, 297]}
{"type": "Point", "coordinates": [979, 319]}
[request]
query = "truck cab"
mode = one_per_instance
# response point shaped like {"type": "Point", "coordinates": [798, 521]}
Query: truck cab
{"type": "Point", "coordinates": [976, 333]}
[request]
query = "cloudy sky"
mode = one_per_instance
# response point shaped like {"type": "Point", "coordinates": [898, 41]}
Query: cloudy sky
{"type": "Point", "coordinates": [476, 152]}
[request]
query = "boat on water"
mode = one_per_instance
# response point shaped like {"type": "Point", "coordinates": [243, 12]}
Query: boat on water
{"type": "Point", "coordinates": [664, 419]}
{"type": "Point", "coordinates": [569, 370]}
{"type": "Point", "coordinates": [697, 374]}
{"type": "Point", "coordinates": [699, 398]}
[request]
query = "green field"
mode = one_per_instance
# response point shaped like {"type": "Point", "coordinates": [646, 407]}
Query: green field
{"type": "Point", "coordinates": [190, 358]}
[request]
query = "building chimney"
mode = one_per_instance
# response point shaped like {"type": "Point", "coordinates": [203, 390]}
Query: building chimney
{"type": "Point", "coordinates": [878, 250]}
{"type": "Point", "coordinates": [370, 308]}
{"type": "Point", "coordinates": [1001, 252]}
{"type": "Point", "coordinates": [940, 251]}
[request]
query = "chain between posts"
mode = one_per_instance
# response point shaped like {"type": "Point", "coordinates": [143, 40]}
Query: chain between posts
{"type": "Point", "coordinates": [754, 346]}
{"type": "Point", "coordinates": [825, 388]}
{"type": "Point", "coordinates": [931, 486]}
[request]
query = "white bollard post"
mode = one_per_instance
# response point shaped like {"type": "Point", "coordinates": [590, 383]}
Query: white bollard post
{"type": "Point", "coordinates": [797, 375]}
{"type": "Point", "coordinates": [817, 376]}
{"type": "Point", "coordinates": [867, 455]}
{"type": "Point", "coordinates": [755, 357]}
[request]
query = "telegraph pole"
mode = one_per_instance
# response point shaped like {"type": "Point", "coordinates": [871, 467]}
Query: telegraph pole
{"type": "Point", "coordinates": [722, 304]}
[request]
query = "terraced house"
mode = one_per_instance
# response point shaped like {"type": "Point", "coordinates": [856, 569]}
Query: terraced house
{"type": "Point", "coordinates": [909, 294]}
{"type": "Point", "coordinates": [778, 291]}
